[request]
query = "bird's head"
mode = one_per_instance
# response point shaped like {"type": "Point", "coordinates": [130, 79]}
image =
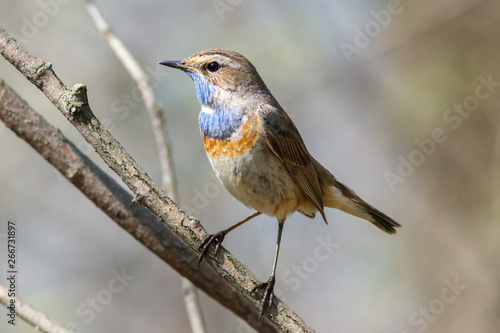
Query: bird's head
{"type": "Point", "coordinates": [222, 77]}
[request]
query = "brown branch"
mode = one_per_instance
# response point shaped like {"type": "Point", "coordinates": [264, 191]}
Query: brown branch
{"type": "Point", "coordinates": [74, 105]}
{"type": "Point", "coordinates": [33, 317]}
{"type": "Point", "coordinates": [155, 112]}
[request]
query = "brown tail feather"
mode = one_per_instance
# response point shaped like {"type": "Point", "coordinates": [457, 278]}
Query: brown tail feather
{"type": "Point", "coordinates": [337, 195]}
{"type": "Point", "coordinates": [381, 220]}
{"type": "Point", "coordinates": [378, 218]}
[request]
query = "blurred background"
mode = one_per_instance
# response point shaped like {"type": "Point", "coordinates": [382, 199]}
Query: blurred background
{"type": "Point", "coordinates": [399, 100]}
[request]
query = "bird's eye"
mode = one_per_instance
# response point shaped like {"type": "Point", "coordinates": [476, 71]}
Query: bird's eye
{"type": "Point", "coordinates": [213, 66]}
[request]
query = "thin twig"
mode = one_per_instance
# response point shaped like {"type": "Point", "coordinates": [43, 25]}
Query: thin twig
{"type": "Point", "coordinates": [193, 306]}
{"type": "Point", "coordinates": [153, 108]}
{"type": "Point", "coordinates": [35, 318]}
{"type": "Point", "coordinates": [155, 112]}
{"type": "Point", "coordinates": [73, 104]}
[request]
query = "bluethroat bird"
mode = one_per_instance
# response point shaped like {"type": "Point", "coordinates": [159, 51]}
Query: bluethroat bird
{"type": "Point", "coordinates": [258, 153]}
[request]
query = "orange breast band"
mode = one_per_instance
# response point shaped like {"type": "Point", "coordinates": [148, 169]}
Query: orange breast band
{"type": "Point", "coordinates": [240, 142]}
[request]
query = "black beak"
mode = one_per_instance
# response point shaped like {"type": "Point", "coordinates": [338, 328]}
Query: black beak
{"type": "Point", "coordinates": [179, 64]}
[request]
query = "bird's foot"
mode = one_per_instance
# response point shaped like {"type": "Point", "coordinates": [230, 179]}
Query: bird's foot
{"type": "Point", "coordinates": [209, 240]}
{"type": "Point", "coordinates": [267, 300]}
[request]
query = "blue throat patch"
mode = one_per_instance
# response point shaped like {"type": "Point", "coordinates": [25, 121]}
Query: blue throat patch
{"type": "Point", "coordinates": [204, 89]}
{"type": "Point", "coordinates": [221, 122]}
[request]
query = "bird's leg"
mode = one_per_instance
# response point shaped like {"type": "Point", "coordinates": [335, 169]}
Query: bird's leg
{"type": "Point", "coordinates": [267, 300]}
{"type": "Point", "coordinates": [217, 238]}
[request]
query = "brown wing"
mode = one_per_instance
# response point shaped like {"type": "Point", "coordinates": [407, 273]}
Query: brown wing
{"type": "Point", "coordinates": [285, 141]}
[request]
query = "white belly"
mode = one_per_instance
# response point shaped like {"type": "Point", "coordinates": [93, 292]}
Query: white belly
{"type": "Point", "coordinates": [260, 181]}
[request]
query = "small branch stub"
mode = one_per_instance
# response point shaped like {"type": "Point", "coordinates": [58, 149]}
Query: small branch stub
{"type": "Point", "coordinates": [76, 98]}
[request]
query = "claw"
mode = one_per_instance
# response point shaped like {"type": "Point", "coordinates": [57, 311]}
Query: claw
{"type": "Point", "coordinates": [267, 300]}
{"type": "Point", "coordinates": [209, 240]}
